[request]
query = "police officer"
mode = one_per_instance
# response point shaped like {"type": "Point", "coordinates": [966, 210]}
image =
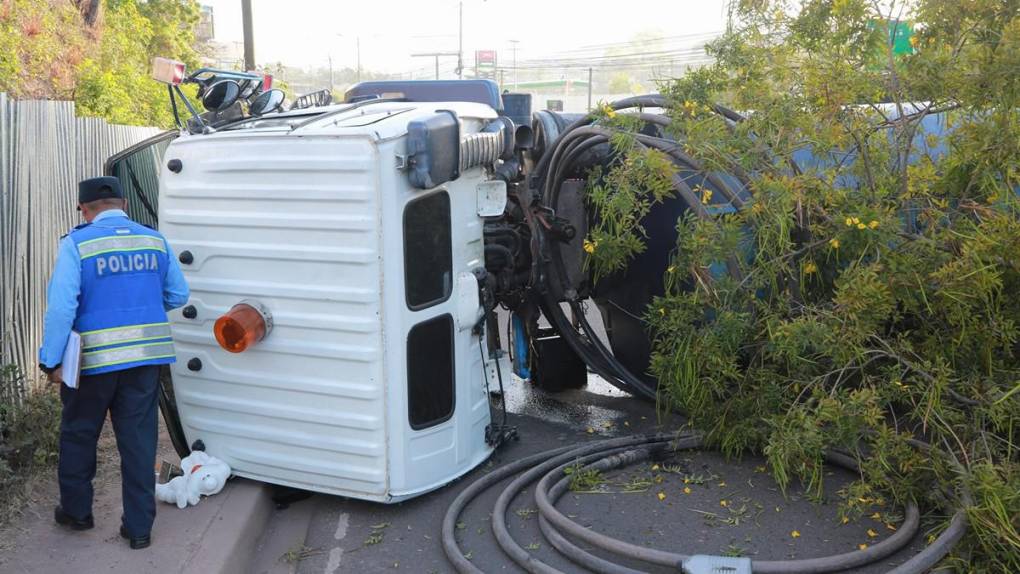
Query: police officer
{"type": "Point", "coordinates": [113, 283]}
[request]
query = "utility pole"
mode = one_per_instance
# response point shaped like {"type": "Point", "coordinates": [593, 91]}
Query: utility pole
{"type": "Point", "coordinates": [249, 36]}
{"type": "Point", "coordinates": [357, 52]}
{"type": "Point", "coordinates": [589, 89]}
{"type": "Point", "coordinates": [460, 47]}
{"type": "Point", "coordinates": [358, 49]}
{"type": "Point", "coordinates": [515, 42]}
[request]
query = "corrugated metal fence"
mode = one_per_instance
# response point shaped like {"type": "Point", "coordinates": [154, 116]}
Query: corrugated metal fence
{"type": "Point", "coordinates": [44, 151]}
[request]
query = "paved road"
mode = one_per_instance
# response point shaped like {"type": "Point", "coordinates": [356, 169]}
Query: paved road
{"type": "Point", "coordinates": [348, 536]}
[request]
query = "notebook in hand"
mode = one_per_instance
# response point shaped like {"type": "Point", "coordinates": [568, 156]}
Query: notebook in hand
{"type": "Point", "coordinates": [71, 365]}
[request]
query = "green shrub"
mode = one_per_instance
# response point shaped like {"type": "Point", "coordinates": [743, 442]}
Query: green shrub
{"type": "Point", "coordinates": [29, 439]}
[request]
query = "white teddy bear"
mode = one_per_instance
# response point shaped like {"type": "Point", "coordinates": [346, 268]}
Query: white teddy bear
{"type": "Point", "coordinates": [203, 475]}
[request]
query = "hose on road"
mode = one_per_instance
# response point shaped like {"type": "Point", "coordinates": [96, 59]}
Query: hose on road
{"type": "Point", "coordinates": [548, 469]}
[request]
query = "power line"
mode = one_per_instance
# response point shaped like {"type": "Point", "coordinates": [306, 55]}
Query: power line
{"type": "Point", "coordinates": [635, 43]}
{"type": "Point", "coordinates": [622, 57]}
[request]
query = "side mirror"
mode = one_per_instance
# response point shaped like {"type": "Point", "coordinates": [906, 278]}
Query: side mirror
{"type": "Point", "coordinates": [221, 95]}
{"type": "Point", "coordinates": [268, 101]}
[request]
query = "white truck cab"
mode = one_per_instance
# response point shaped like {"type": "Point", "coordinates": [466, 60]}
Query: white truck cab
{"type": "Point", "coordinates": [370, 380]}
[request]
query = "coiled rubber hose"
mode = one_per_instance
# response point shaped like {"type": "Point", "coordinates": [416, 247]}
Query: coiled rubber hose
{"type": "Point", "coordinates": [548, 469]}
{"type": "Point", "coordinates": [558, 161]}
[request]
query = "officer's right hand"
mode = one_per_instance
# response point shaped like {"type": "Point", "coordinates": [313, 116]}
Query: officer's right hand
{"type": "Point", "coordinates": [56, 376]}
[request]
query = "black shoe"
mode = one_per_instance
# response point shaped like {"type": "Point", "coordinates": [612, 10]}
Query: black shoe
{"type": "Point", "coordinates": [136, 542]}
{"type": "Point", "coordinates": [64, 519]}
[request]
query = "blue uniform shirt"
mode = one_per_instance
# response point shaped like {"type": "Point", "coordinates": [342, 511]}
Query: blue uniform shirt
{"type": "Point", "coordinates": [65, 287]}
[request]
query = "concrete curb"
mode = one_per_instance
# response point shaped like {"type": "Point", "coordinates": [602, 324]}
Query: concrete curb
{"type": "Point", "coordinates": [227, 544]}
{"type": "Point", "coordinates": [282, 546]}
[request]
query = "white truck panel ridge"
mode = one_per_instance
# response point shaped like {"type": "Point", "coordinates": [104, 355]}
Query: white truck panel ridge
{"type": "Point", "coordinates": [370, 383]}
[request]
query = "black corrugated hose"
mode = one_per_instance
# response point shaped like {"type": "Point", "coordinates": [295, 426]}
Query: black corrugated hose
{"type": "Point", "coordinates": [548, 469]}
{"type": "Point", "coordinates": [556, 164]}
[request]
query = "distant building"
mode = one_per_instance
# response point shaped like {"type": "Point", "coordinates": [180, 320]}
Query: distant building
{"type": "Point", "coordinates": [206, 30]}
{"type": "Point", "coordinates": [223, 55]}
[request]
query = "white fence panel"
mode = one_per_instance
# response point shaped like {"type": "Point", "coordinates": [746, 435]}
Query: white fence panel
{"type": "Point", "coordinates": [44, 151]}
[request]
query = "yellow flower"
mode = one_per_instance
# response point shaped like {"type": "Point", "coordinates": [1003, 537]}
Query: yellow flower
{"type": "Point", "coordinates": [834, 243]}
{"type": "Point", "coordinates": [662, 311]}
{"type": "Point", "coordinates": [590, 246]}
{"type": "Point", "coordinates": [873, 224]}
{"type": "Point", "coordinates": [872, 533]}
{"type": "Point", "coordinates": [655, 467]}
{"type": "Point", "coordinates": [810, 267]}
{"type": "Point", "coordinates": [671, 269]}
{"type": "Point", "coordinates": [722, 484]}
{"type": "Point", "coordinates": [876, 516]}
{"type": "Point", "coordinates": [862, 546]}
{"type": "Point", "coordinates": [590, 430]}
{"type": "Point", "coordinates": [687, 490]}
{"type": "Point", "coordinates": [849, 222]}
{"type": "Point", "coordinates": [795, 534]}
{"type": "Point", "coordinates": [861, 226]}
{"type": "Point", "coordinates": [706, 196]}
{"type": "Point", "coordinates": [844, 520]}
{"type": "Point", "coordinates": [856, 221]}
{"type": "Point", "coordinates": [890, 527]}
{"type": "Point", "coordinates": [662, 496]}
{"type": "Point", "coordinates": [724, 503]}
{"type": "Point", "coordinates": [913, 41]}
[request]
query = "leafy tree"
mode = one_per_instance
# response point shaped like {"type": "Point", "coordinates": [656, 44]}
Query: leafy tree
{"type": "Point", "coordinates": [96, 52]}
{"type": "Point", "coordinates": [620, 83]}
{"type": "Point", "coordinates": [40, 44]}
{"type": "Point", "coordinates": [114, 82]}
{"type": "Point", "coordinates": [876, 296]}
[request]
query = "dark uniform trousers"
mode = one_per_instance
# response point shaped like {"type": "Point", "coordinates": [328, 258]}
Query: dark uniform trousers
{"type": "Point", "coordinates": [131, 398]}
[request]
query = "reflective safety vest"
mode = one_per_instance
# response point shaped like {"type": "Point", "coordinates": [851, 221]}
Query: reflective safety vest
{"type": "Point", "coordinates": [121, 317]}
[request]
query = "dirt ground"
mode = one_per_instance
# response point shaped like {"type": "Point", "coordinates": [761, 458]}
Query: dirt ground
{"type": "Point", "coordinates": [42, 493]}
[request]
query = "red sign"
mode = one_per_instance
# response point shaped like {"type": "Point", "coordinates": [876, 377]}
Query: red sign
{"type": "Point", "coordinates": [485, 57]}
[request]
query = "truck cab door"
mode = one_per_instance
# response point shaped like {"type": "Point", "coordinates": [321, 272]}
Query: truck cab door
{"type": "Point", "coordinates": [138, 168]}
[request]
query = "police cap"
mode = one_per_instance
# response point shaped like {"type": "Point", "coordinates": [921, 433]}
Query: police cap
{"type": "Point", "coordinates": [96, 188]}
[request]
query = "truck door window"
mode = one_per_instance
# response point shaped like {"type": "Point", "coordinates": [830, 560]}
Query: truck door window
{"type": "Point", "coordinates": [428, 258]}
{"type": "Point", "coordinates": [430, 374]}
{"type": "Point", "coordinates": [138, 169]}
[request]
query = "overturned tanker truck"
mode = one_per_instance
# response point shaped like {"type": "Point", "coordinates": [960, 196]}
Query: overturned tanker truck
{"type": "Point", "coordinates": [347, 259]}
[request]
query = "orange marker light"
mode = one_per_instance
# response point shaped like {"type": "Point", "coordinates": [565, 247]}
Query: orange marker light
{"type": "Point", "coordinates": [245, 324]}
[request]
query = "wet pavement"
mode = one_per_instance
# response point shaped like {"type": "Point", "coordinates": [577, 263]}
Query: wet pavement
{"type": "Point", "coordinates": [709, 505]}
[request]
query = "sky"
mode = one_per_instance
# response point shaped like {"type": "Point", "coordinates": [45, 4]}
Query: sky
{"type": "Point", "coordinates": [305, 33]}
